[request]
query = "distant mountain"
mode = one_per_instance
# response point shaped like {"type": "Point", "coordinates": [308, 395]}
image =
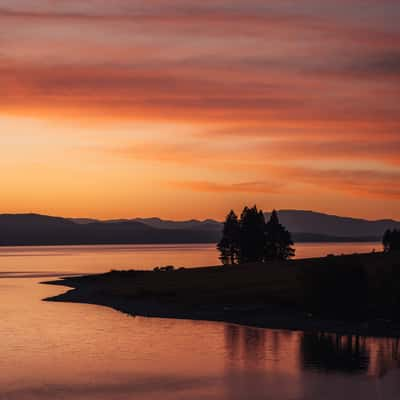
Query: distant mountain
{"type": "Point", "coordinates": [33, 229]}
{"type": "Point", "coordinates": [158, 223]}
{"type": "Point", "coordinates": [306, 226]}
{"type": "Point", "coordinates": [332, 225]}
{"type": "Point", "coordinates": [208, 224]}
{"type": "Point", "coordinates": [83, 221]}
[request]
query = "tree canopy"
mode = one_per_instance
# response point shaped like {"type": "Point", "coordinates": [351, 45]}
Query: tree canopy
{"type": "Point", "coordinates": [251, 239]}
{"type": "Point", "coordinates": [278, 240]}
{"type": "Point", "coordinates": [391, 240]}
{"type": "Point", "coordinates": [230, 242]}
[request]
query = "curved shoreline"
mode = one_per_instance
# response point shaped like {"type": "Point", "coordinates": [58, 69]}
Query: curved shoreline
{"type": "Point", "coordinates": [257, 316]}
{"type": "Point", "coordinates": [348, 295]}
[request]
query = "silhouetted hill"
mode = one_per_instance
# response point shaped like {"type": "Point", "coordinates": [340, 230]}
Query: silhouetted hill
{"type": "Point", "coordinates": [83, 220]}
{"type": "Point", "coordinates": [32, 229]}
{"type": "Point", "coordinates": [208, 224]}
{"type": "Point", "coordinates": [158, 223]}
{"type": "Point", "coordinates": [332, 225]}
{"type": "Point", "coordinates": [306, 226]}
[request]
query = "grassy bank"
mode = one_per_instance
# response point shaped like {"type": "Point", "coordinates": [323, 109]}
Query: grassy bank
{"type": "Point", "coordinates": [355, 294]}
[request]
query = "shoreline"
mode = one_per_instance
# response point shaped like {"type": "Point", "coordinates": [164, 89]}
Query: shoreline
{"type": "Point", "coordinates": [338, 240]}
{"type": "Point", "coordinates": [275, 321]}
{"type": "Point", "coordinates": [54, 245]}
{"type": "Point", "coordinates": [136, 293]}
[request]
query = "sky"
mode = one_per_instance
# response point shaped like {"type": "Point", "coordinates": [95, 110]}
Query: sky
{"type": "Point", "coordinates": [186, 109]}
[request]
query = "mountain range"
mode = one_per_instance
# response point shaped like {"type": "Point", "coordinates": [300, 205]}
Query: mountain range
{"type": "Point", "coordinates": [298, 222]}
{"type": "Point", "coordinates": [306, 226]}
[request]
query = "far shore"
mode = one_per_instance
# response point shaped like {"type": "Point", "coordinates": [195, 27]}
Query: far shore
{"type": "Point", "coordinates": [337, 240]}
{"type": "Point", "coordinates": [293, 295]}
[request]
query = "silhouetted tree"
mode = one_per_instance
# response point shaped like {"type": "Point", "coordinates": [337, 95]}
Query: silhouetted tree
{"type": "Point", "coordinates": [252, 235]}
{"type": "Point", "coordinates": [250, 239]}
{"type": "Point", "coordinates": [229, 246]}
{"type": "Point", "coordinates": [278, 240]}
{"type": "Point", "coordinates": [391, 240]}
{"type": "Point", "coordinates": [386, 240]}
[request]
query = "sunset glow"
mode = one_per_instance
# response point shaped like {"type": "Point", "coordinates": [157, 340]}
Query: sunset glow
{"type": "Point", "coordinates": [185, 109]}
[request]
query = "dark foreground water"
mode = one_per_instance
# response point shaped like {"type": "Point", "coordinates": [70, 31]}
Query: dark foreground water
{"type": "Point", "coordinates": [73, 351]}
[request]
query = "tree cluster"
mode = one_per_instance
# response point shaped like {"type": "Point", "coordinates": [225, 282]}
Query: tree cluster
{"type": "Point", "coordinates": [251, 239]}
{"type": "Point", "coordinates": [391, 240]}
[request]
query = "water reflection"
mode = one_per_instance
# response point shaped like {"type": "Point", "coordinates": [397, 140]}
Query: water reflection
{"type": "Point", "coordinates": [322, 352]}
{"type": "Point", "coordinates": [334, 353]}
{"type": "Point", "coordinates": [385, 356]}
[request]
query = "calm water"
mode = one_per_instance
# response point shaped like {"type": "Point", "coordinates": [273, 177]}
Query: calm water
{"type": "Point", "coordinates": [73, 351]}
{"type": "Point", "coordinates": [47, 260]}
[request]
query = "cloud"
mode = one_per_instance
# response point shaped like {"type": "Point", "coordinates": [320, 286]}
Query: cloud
{"type": "Point", "coordinates": [242, 187]}
{"type": "Point", "coordinates": [368, 184]}
{"type": "Point", "coordinates": [250, 18]}
{"type": "Point", "coordinates": [232, 155]}
{"type": "Point", "coordinates": [386, 65]}
{"type": "Point", "coordinates": [305, 91]}
{"type": "Point", "coordinates": [221, 60]}
{"type": "Point", "coordinates": [184, 94]}
{"type": "Point", "coordinates": [368, 149]}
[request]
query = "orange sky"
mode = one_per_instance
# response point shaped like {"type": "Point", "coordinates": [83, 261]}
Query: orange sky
{"type": "Point", "coordinates": [185, 109]}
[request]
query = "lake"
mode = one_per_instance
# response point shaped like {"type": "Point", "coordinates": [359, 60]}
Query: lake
{"type": "Point", "coordinates": [73, 351]}
{"type": "Point", "coordinates": [47, 260]}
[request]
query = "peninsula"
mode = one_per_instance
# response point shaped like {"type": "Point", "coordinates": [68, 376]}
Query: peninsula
{"type": "Point", "coordinates": [355, 294]}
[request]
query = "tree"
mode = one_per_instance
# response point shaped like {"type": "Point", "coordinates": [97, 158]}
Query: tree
{"type": "Point", "coordinates": [252, 235]}
{"type": "Point", "coordinates": [250, 239]}
{"type": "Point", "coordinates": [386, 240]}
{"type": "Point", "coordinates": [278, 240]}
{"type": "Point", "coordinates": [391, 240]}
{"type": "Point", "coordinates": [229, 246]}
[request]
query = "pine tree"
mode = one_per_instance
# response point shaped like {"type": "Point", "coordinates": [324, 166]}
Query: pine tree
{"type": "Point", "coordinates": [391, 240]}
{"type": "Point", "coordinates": [229, 246]}
{"type": "Point", "coordinates": [250, 239]}
{"type": "Point", "coordinates": [252, 235]}
{"type": "Point", "coordinates": [386, 240]}
{"type": "Point", "coordinates": [278, 240]}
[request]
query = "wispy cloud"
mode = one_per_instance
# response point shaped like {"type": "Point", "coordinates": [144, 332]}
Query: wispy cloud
{"type": "Point", "coordinates": [242, 187]}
